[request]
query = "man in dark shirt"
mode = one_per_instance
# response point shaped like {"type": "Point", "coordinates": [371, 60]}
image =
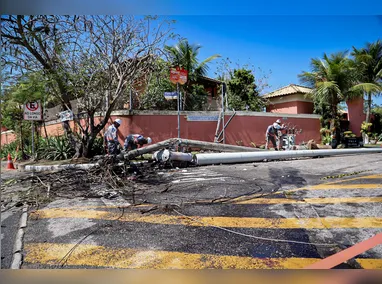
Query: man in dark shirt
{"type": "Point", "coordinates": [133, 141]}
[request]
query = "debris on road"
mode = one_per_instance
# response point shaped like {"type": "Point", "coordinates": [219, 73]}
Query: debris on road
{"type": "Point", "coordinates": [114, 176]}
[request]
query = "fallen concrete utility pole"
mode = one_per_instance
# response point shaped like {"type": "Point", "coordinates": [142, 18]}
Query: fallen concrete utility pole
{"type": "Point", "coordinates": [215, 146]}
{"type": "Point", "coordinates": [212, 146]}
{"type": "Point", "coordinates": [230, 158]}
{"type": "Point", "coordinates": [151, 148]}
{"type": "Point", "coordinates": [167, 155]}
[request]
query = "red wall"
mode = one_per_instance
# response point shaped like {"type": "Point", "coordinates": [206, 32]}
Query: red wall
{"type": "Point", "coordinates": [295, 107]}
{"type": "Point", "coordinates": [245, 128]}
{"type": "Point", "coordinates": [7, 138]}
{"type": "Point", "coordinates": [288, 107]}
{"type": "Point", "coordinates": [356, 115]}
{"type": "Point", "coordinates": [305, 107]}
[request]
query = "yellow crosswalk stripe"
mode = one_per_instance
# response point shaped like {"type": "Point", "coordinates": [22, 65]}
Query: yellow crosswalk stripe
{"type": "Point", "coordinates": [327, 186]}
{"type": "Point", "coordinates": [230, 222]}
{"type": "Point", "coordinates": [370, 263]}
{"type": "Point", "coordinates": [345, 186]}
{"type": "Point", "coordinates": [312, 200]}
{"type": "Point", "coordinates": [101, 256]}
{"type": "Point", "coordinates": [377, 176]}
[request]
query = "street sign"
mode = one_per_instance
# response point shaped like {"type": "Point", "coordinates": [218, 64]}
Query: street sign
{"type": "Point", "coordinates": [32, 111]}
{"type": "Point", "coordinates": [170, 95]}
{"type": "Point", "coordinates": [66, 115]}
{"type": "Point", "coordinates": [178, 75]}
{"type": "Point", "coordinates": [202, 117]}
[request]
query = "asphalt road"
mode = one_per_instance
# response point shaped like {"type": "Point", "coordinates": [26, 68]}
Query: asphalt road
{"type": "Point", "coordinates": [9, 227]}
{"type": "Point", "coordinates": [287, 214]}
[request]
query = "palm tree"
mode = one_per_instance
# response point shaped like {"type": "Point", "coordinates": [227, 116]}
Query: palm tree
{"type": "Point", "coordinates": [369, 64]}
{"type": "Point", "coordinates": [185, 55]}
{"type": "Point", "coordinates": [331, 78]}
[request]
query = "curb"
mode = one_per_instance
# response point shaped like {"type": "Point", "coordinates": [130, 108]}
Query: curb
{"type": "Point", "coordinates": [59, 167]}
{"type": "Point", "coordinates": [18, 246]}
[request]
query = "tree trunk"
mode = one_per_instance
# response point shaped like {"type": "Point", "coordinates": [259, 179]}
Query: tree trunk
{"type": "Point", "coordinates": [87, 147]}
{"type": "Point", "coordinates": [368, 110]}
{"type": "Point", "coordinates": [334, 117]}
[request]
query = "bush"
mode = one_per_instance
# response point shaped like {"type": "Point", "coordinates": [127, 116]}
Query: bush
{"type": "Point", "coordinates": [55, 148]}
{"type": "Point", "coordinates": [98, 148]}
{"type": "Point", "coordinates": [11, 149]}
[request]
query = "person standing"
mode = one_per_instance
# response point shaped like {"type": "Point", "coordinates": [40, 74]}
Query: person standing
{"type": "Point", "coordinates": [272, 134]}
{"type": "Point", "coordinates": [111, 138]}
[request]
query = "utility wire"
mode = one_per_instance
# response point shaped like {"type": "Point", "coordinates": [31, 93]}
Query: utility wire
{"type": "Point", "coordinates": [252, 236]}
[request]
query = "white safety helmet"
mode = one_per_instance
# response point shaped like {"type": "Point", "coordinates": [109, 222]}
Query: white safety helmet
{"type": "Point", "coordinates": [149, 140]}
{"type": "Point", "coordinates": [278, 121]}
{"type": "Point", "coordinates": [118, 121]}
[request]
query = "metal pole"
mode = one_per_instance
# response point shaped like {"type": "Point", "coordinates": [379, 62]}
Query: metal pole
{"type": "Point", "coordinates": [223, 113]}
{"type": "Point", "coordinates": [246, 157]}
{"type": "Point", "coordinates": [131, 99]}
{"type": "Point", "coordinates": [32, 138]}
{"type": "Point", "coordinates": [177, 90]}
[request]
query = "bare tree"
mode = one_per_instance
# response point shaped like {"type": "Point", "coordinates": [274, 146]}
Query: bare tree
{"type": "Point", "coordinates": [94, 59]}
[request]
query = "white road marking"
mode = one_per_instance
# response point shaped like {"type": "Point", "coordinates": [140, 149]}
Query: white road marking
{"type": "Point", "coordinates": [197, 179]}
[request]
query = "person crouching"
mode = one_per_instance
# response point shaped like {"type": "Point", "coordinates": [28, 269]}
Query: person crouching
{"type": "Point", "coordinates": [134, 141]}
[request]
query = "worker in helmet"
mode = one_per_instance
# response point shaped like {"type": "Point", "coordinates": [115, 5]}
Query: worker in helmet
{"type": "Point", "coordinates": [134, 141]}
{"type": "Point", "coordinates": [272, 134]}
{"type": "Point", "coordinates": [111, 138]}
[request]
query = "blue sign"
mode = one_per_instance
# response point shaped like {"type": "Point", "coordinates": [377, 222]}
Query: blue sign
{"type": "Point", "coordinates": [170, 95]}
{"type": "Point", "coordinates": [202, 118]}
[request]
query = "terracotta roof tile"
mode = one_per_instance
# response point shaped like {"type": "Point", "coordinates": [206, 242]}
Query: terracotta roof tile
{"type": "Point", "coordinates": [288, 90]}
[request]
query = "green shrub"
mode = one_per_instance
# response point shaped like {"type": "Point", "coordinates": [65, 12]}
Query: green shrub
{"type": "Point", "coordinates": [10, 149]}
{"type": "Point", "coordinates": [326, 139]}
{"type": "Point", "coordinates": [98, 148]}
{"type": "Point", "coordinates": [55, 148]}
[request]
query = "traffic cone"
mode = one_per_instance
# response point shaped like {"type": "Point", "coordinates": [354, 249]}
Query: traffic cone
{"type": "Point", "coordinates": [10, 165]}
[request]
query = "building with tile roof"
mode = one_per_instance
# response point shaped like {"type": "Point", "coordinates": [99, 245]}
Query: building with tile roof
{"type": "Point", "coordinates": [292, 99]}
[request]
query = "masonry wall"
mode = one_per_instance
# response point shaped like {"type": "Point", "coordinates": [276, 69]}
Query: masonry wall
{"type": "Point", "coordinates": [246, 127]}
{"type": "Point", "coordinates": [305, 107]}
{"type": "Point", "coordinates": [356, 115]}
{"type": "Point", "coordinates": [7, 137]}
{"type": "Point", "coordinates": [288, 107]}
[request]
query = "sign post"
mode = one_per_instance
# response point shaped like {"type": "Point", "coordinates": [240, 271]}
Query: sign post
{"type": "Point", "coordinates": [32, 111]}
{"type": "Point", "coordinates": [178, 76]}
{"type": "Point", "coordinates": [178, 101]}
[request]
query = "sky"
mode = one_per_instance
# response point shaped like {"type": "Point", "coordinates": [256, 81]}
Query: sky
{"type": "Point", "coordinates": [283, 44]}
{"type": "Point", "coordinates": [277, 35]}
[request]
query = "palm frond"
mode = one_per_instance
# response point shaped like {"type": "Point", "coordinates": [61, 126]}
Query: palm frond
{"type": "Point", "coordinates": [369, 88]}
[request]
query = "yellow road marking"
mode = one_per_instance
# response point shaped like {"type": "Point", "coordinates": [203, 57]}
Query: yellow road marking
{"type": "Point", "coordinates": [370, 263]}
{"type": "Point", "coordinates": [344, 186]}
{"type": "Point", "coordinates": [231, 222]}
{"type": "Point", "coordinates": [326, 186]}
{"type": "Point", "coordinates": [312, 200]}
{"type": "Point", "coordinates": [100, 256]}
{"type": "Point", "coordinates": [377, 176]}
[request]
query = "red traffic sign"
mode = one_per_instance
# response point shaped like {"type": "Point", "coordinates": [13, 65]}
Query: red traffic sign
{"type": "Point", "coordinates": [32, 106]}
{"type": "Point", "coordinates": [32, 111]}
{"type": "Point", "coordinates": [178, 75]}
